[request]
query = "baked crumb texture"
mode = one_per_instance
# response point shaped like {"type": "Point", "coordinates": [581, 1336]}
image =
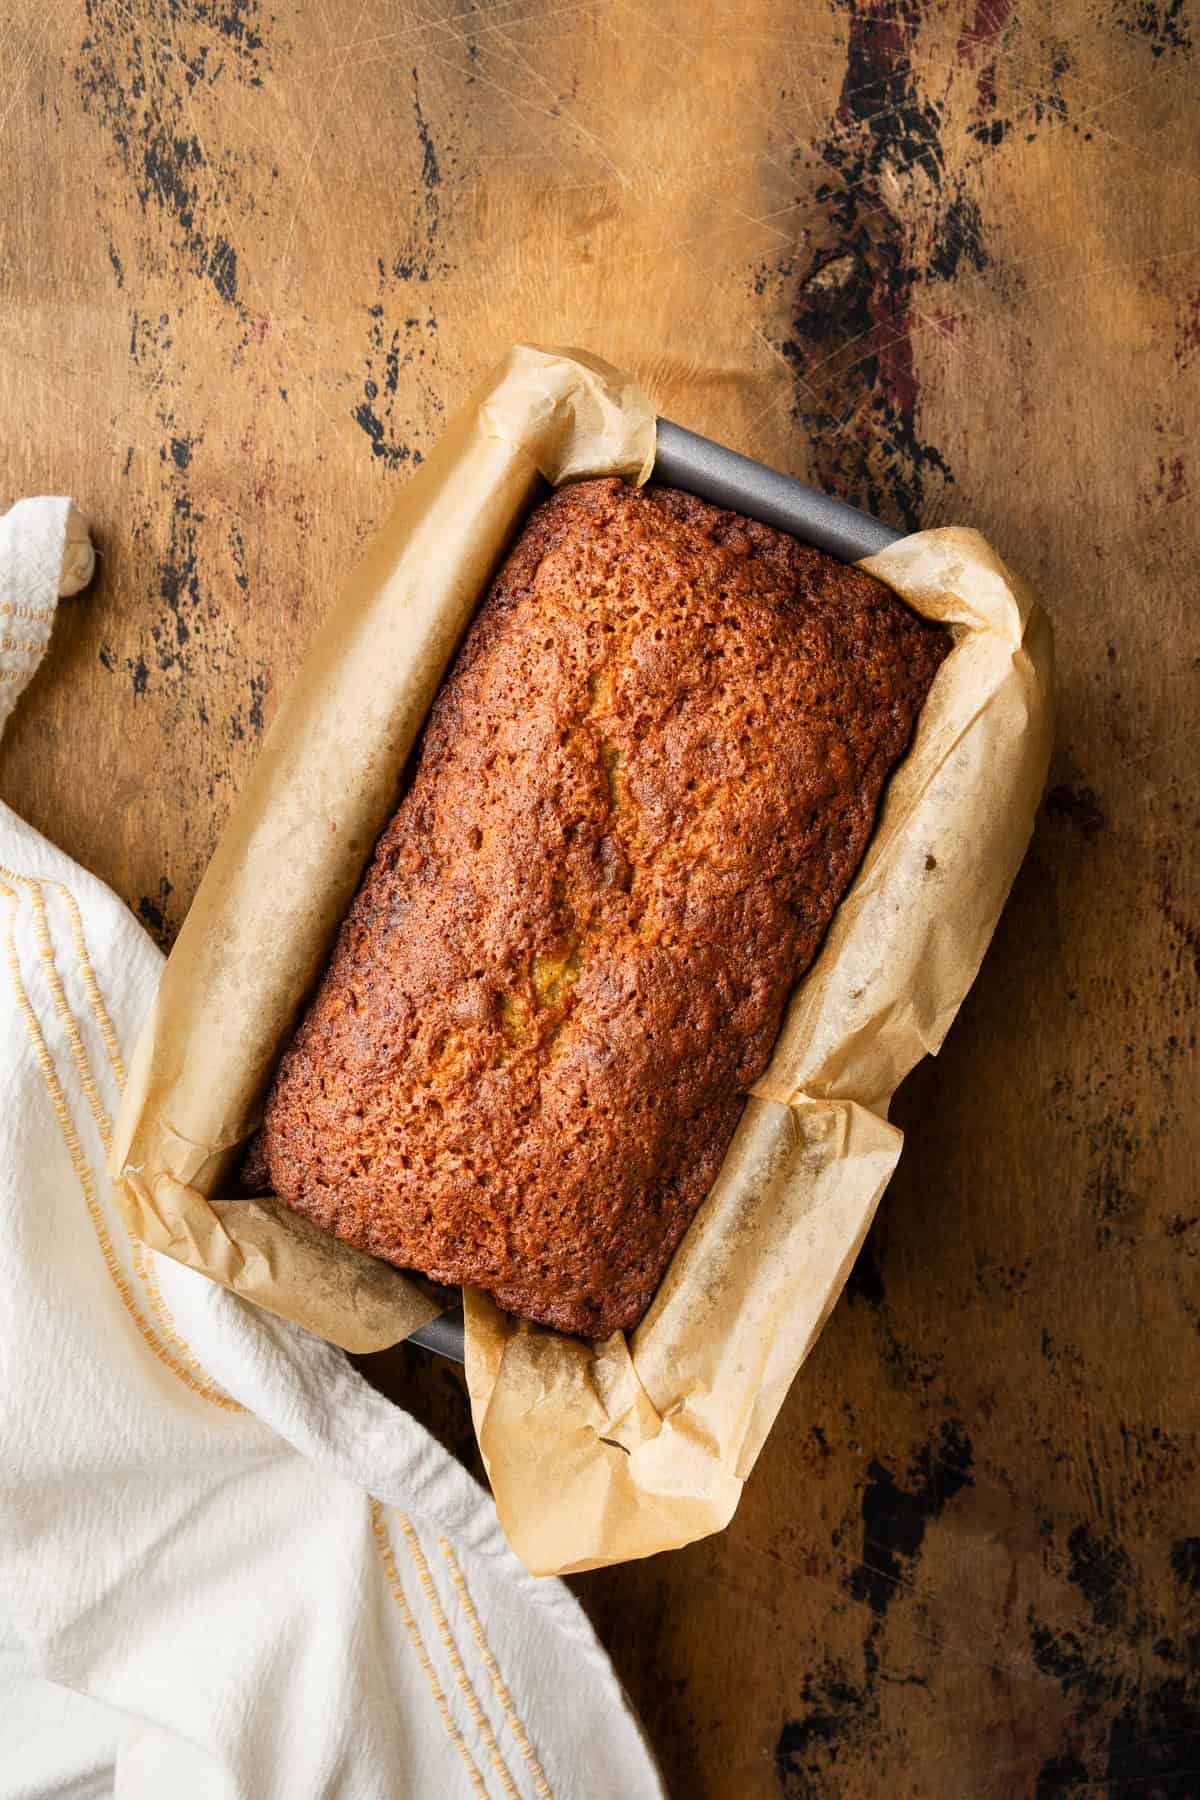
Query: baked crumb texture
{"type": "Point", "coordinates": [641, 792]}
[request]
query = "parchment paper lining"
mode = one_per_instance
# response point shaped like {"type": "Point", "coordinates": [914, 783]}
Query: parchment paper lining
{"type": "Point", "coordinates": [595, 1453]}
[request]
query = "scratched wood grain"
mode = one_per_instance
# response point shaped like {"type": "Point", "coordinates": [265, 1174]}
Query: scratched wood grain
{"type": "Point", "coordinates": [942, 257]}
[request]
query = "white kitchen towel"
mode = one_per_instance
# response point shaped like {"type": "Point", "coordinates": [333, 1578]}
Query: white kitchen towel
{"type": "Point", "coordinates": [227, 1566]}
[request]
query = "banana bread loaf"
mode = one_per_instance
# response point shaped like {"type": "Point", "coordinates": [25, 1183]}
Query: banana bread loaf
{"type": "Point", "coordinates": [642, 790]}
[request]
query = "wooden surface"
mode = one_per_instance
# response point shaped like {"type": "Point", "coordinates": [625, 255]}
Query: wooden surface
{"type": "Point", "coordinates": [942, 258]}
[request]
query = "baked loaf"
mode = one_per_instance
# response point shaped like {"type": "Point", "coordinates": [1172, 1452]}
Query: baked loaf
{"type": "Point", "coordinates": [641, 792]}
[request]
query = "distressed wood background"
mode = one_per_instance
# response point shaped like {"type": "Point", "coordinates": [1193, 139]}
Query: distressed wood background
{"type": "Point", "coordinates": [943, 257]}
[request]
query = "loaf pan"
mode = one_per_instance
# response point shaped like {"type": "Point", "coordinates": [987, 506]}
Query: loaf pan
{"type": "Point", "coordinates": [721, 476]}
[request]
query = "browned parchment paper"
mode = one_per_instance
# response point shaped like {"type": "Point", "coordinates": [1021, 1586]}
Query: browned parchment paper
{"type": "Point", "coordinates": [295, 846]}
{"type": "Point", "coordinates": [596, 1453]}
{"type": "Point", "coordinates": [601, 1453]}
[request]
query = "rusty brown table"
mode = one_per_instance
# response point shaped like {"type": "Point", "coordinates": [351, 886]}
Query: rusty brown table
{"type": "Point", "coordinates": [941, 258]}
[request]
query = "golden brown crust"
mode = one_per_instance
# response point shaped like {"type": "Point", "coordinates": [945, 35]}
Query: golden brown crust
{"type": "Point", "coordinates": [641, 792]}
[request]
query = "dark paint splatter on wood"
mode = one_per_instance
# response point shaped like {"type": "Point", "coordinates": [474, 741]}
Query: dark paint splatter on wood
{"type": "Point", "coordinates": [1108, 1190]}
{"type": "Point", "coordinates": [377, 413]}
{"type": "Point", "coordinates": [959, 241]}
{"type": "Point", "coordinates": [838, 1710]}
{"type": "Point", "coordinates": [1143, 1728]}
{"type": "Point", "coordinates": [1154, 1744]}
{"type": "Point", "coordinates": [892, 219]}
{"type": "Point", "coordinates": [390, 351]}
{"type": "Point", "coordinates": [1061, 1775]}
{"type": "Point", "coordinates": [178, 584]}
{"type": "Point", "coordinates": [1101, 1570]}
{"type": "Point", "coordinates": [139, 69]}
{"type": "Point", "coordinates": [257, 686]}
{"type": "Point", "coordinates": [152, 910]}
{"type": "Point", "coordinates": [149, 341]}
{"type": "Point", "coordinates": [913, 1368]}
{"type": "Point", "coordinates": [896, 1517]}
{"type": "Point", "coordinates": [236, 20]}
{"type": "Point", "coordinates": [1063, 1357]}
{"type": "Point", "coordinates": [977, 46]}
{"type": "Point", "coordinates": [1080, 806]}
{"type": "Point", "coordinates": [258, 693]}
{"type": "Point", "coordinates": [1050, 103]}
{"type": "Point", "coordinates": [181, 452]}
{"type": "Point", "coordinates": [866, 1282]}
{"type": "Point", "coordinates": [223, 269]}
{"type": "Point", "coordinates": [1061, 1655]}
{"type": "Point", "coordinates": [238, 550]}
{"type": "Point", "coordinates": [851, 337]}
{"type": "Point", "coordinates": [1163, 24]}
{"type": "Point", "coordinates": [418, 259]}
{"type": "Point", "coordinates": [133, 666]}
{"type": "Point", "coordinates": [430, 172]}
{"type": "Point", "coordinates": [814, 1739]}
